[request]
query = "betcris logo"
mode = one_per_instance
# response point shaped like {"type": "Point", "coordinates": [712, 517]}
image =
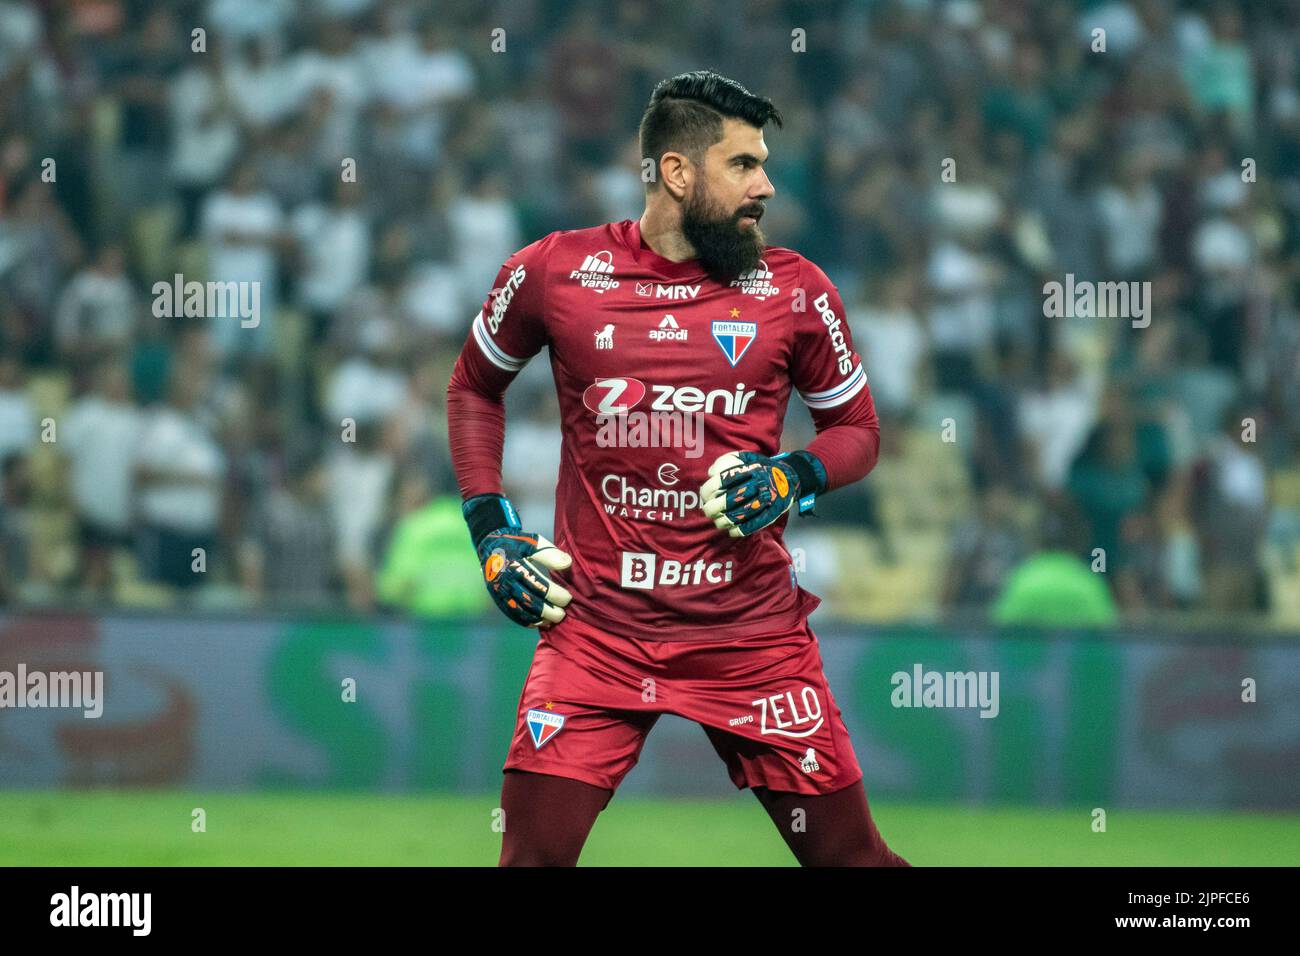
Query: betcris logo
{"type": "Point", "coordinates": [618, 396]}
{"type": "Point", "coordinates": [645, 571]}
{"type": "Point", "coordinates": [823, 305]}
{"type": "Point", "coordinates": [505, 297]}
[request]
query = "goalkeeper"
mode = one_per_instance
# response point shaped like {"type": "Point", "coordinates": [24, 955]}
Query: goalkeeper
{"type": "Point", "coordinates": [666, 586]}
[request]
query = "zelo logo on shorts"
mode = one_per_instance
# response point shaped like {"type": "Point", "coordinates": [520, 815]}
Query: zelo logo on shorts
{"type": "Point", "coordinates": [783, 714]}
{"type": "Point", "coordinates": [639, 571]}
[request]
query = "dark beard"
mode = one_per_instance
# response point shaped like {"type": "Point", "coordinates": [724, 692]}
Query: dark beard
{"type": "Point", "coordinates": [724, 250]}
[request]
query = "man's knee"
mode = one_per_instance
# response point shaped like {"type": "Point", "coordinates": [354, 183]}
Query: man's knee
{"type": "Point", "coordinates": [533, 853]}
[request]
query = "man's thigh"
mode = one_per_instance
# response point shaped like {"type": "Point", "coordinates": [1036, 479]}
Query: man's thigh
{"type": "Point", "coordinates": [581, 714]}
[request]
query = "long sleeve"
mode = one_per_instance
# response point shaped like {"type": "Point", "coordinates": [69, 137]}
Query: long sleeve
{"type": "Point", "coordinates": [829, 376]}
{"type": "Point", "coordinates": [508, 331]}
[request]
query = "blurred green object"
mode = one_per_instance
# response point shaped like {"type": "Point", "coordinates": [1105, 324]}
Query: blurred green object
{"type": "Point", "coordinates": [430, 568]}
{"type": "Point", "coordinates": [1055, 589]}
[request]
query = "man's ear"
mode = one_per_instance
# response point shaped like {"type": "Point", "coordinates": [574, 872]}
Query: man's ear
{"type": "Point", "coordinates": [676, 174]}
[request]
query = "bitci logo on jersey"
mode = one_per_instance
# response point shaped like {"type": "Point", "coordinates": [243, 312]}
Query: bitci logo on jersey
{"type": "Point", "coordinates": [645, 571]}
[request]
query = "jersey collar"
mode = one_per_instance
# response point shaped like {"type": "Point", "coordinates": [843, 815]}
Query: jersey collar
{"type": "Point", "coordinates": [647, 258]}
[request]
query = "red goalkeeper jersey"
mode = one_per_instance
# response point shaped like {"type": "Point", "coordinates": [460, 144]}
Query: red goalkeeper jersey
{"type": "Point", "coordinates": [659, 370]}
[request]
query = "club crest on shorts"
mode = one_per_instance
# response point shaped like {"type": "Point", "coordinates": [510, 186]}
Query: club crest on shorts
{"type": "Point", "coordinates": [734, 338]}
{"type": "Point", "coordinates": [543, 725]}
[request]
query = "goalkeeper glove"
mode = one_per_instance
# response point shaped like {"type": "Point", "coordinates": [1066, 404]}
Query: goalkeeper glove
{"type": "Point", "coordinates": [516, 564]}
{"type": "Point", "coordinates": [747, 491]}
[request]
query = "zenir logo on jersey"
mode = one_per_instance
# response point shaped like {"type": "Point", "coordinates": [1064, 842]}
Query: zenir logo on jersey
{"type": "Point", "coordinates": [668, 330]}
{"type": "Point", "coordinates": [596, 272]}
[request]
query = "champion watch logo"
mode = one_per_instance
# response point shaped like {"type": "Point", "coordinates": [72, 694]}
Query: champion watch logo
{"type": "Point", "coordinates": [543, 725]}
{"type": "Point", "coordinates": [734, 338]}
{"type": "Point", "coordinates": [596, 272]}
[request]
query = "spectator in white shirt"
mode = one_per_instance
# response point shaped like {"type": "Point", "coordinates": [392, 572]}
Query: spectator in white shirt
{"type": "Point", "coordinates": [99, 437]}
{"type": "Point", "coordinates": [96, 312]}
{"type": "Point", "coordinates": [334, 246]}
{"type": "Point", "coordinates": [179, 473]}
{"type": "Point", "coordinates": [243, 228]}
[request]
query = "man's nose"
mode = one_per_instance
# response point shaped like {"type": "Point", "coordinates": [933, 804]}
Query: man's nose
{"type": "Point", "coordinates": [765, 188]}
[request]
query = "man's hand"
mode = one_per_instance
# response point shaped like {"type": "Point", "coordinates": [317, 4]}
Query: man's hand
{"type": "Point", "coordinates": [747, 491]}
{"type": "Point", "coordinates": [517, 564]}
{"type": "Point", "coordinates": [516, 568]}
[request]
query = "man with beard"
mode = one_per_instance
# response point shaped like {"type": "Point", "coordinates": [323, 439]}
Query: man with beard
{"type": "Point", "coordinates": [657, 597]}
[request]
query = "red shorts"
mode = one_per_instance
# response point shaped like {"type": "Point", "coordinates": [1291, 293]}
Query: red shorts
{"type": "Point", "coordinates": [591, 698]}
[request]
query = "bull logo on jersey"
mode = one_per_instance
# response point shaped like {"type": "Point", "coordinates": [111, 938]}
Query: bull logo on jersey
{"type": "Point", "coordinates": [734, 338]}
{"type": "Point", "coordinates": [543, 725]}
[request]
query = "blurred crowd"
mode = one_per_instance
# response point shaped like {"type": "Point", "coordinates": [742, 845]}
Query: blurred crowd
{"type": "Point", "coordinates": [371, 163]}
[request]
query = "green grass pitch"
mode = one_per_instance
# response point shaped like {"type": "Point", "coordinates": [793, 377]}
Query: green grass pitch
{"type": "Point", "coordinates": [150, 828]}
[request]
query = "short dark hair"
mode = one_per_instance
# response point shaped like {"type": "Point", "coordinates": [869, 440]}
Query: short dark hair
{"type": "Point", "coordinates": [685, 115]}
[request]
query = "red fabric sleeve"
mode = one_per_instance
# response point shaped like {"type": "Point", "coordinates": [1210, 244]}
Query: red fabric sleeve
{"type": "Point", "coordinates": [508, 331]}
{"type": "Point", "coordinates": [831, 380]}
{"type": "Point", "coordinates": [476, 425]}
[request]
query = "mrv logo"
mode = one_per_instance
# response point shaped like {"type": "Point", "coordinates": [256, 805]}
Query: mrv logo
{"type": "Point", "coordinates": [660, 291]}
{"type": "Point", "coordinates": [639, 571]}
{"type": "Point", "coordinates": [1093, 300]}
{"type": "Point", "coordinates": [787, 715]}
{"type": "Point", "coordinates": [103, 909]}
{"type": "Point", "coordinates": [923, 688]}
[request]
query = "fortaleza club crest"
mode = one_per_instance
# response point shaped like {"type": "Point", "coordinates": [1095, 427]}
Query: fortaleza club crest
{"type": "Point", "coordinates": [543, 725]}
{"type": "Point", "coordinates": [734, 338]}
